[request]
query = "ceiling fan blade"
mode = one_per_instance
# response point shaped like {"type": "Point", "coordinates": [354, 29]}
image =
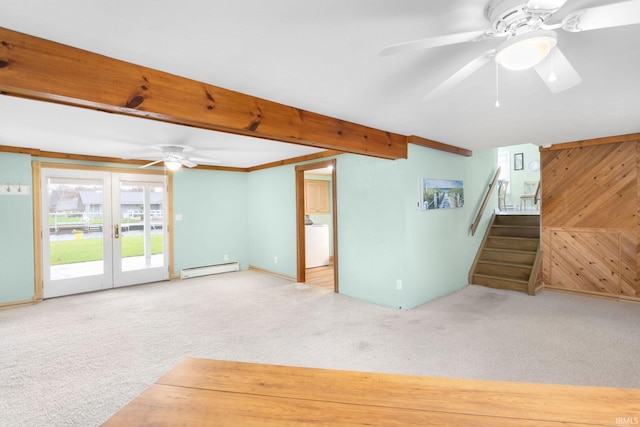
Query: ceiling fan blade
{"type": "Point", "coordinates": [205, 160]}
{"type": "Point", "coordinates": [140, 155]}
{"type": "Point", "coordinates": [557, 72]}
{"type": "Point", "coordinates": [546, 5]}
{"type": "Point", "coordinates": [461, 74]}
{"type": "Point", "coordinates": [149, 164]}
{"type": "Point", "coordinates": [188, 163]}
{"type": "Point", "coordinates": [434, 42]}
{"type": "Point", "coordinates": [606, 16]}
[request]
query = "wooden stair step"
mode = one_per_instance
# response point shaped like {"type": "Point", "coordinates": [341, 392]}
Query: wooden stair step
{"type": "Point", "coordinates": [514, 238]}
{"type": "Point", "coordinates": [504, 270]}
{"type": "Point", "coordinates": [518, 251]}
{"type": "Point", "coordinates": [508, 255]}
{"type": "Point", "coordinates": [508, 242]}
{"type": "Point", "coordinates": [517, 220]}
{"type": "Point", "coordinates": [509, 252]}
{"type": "Point", "coordinates": [507, 264]}
{"type": "Point", "coordinates": [531, 228]}
{"type": "Point", "coordinates": [500, 282]}
{"type": "Point", "coordinates": [533, 232]}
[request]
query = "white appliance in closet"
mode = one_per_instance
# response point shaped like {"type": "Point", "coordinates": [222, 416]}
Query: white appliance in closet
{"type": "Point", "coordinates": [316, 245]}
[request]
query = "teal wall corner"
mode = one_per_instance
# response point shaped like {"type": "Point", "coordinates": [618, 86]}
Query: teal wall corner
{"type": "Point", "coordinates": [213, 206]}
{"type": "Point", "coordinates": [371, 228]}
{"type": "Point", "coordinates": [272, 220]}
{"type": "Point", "coordinates": [385, 240]}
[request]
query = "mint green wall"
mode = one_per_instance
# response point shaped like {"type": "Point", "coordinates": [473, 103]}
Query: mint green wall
{"type": "Point", "coordinates": [214, 207]}
{"type": "Point", "coordinates": [251, 218]}
{"type": "Point", "coordinates": [272, 219]}
{"type": "Point", "coordinates": [518, 177]}
{"type": "Point", "coordinates": [440, 247]}
{"type": "Point", "coordinates": [16, 231]}
{"type": "Point", "coordinates": [213, 204]}
{"type": "Point", "coordinates": [383, 238]}
{"type": "Point", "coordinates": [371, 229]}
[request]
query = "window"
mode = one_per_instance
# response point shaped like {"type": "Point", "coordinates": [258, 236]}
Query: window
{"type": "Point", "coordinates": [505, 167]}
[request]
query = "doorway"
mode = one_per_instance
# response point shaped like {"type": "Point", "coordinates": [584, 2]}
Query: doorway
{"type": "Point", "coordinates": [101, 230]}
{"type": "Point", "coordinates": [318, 271]}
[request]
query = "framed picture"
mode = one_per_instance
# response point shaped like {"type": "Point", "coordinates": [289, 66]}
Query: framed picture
{"type": "Point", "coordinates": [441, 194]}
{"type": "Point", "coordinates": [518, 161]}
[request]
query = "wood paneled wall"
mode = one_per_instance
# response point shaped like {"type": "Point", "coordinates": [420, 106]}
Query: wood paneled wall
{"type": "Point", "coordinates": [590, 230]}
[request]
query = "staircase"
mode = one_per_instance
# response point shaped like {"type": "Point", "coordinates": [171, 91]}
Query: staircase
{"type": "Point", "coordinates": [510, 257]}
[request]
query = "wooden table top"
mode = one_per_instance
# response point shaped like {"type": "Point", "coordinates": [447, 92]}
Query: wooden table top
{"type": "Point", "coordinates": [199, 392]}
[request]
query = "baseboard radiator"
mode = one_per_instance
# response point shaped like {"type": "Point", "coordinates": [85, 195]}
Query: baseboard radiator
{"type": "Point", "coordinates": [205, 270]}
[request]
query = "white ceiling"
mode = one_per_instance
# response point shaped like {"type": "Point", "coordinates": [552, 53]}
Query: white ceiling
{"type": "Point", "coordinates": [322, 56]}
{"type": "Point", "coordinates": [54, 127]}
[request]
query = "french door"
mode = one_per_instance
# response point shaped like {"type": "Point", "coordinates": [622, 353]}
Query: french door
{"type": "Point", "coordinates": [102, 230]}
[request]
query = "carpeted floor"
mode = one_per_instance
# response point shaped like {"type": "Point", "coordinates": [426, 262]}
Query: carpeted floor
{"type": "Point", "coordinates": [77, 360]}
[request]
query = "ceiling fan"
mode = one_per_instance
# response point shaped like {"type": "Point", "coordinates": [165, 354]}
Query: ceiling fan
{"type": "Point", "coordinates": [174, 158]}
{"type": "Point", "coordinates": [531, 42]}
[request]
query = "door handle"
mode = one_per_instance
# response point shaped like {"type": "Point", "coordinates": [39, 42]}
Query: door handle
{"type": "Point", "coordinates": [116, 231]}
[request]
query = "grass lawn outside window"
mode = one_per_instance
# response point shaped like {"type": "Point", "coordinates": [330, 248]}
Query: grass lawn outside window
{"type": "Point", "coordinates": [85, 250]}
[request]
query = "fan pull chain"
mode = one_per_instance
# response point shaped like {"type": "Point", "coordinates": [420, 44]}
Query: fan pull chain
{"type": "Point", "coordinates": [497, 88]}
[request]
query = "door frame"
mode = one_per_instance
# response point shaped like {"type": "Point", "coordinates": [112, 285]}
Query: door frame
{"type": "Point", "coordinates": [300, 230]}
{"type": "Point", "coordinates": [93, 280]}
{"type": "Point", "coordinates": [37, 167]}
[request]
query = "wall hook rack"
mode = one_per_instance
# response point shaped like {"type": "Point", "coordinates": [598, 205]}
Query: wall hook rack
{"type": "Point", "coordinates": [19, 189]}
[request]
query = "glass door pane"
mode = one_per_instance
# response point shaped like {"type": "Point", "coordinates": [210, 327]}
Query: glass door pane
{"type": "Point", "coordinates": [74, 233]}
{"type": "Point", "coordinates": [141, 226]}
{"type": "Point", "coordinates": [140, 249]}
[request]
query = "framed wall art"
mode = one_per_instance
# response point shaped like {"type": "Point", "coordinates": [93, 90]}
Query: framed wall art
{"type": "Point", "coordinates": [518, 161]}
{"type": "Point", "coordinates": [441, 194]}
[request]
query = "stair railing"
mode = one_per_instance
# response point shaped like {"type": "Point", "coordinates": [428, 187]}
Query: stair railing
{"type": "Point", "coordinates": [535, 272]}
{"type": "Point", "coordinates": [472, 270]}
{"type": "Point", "coordinates": [487, 196]}
{"type": "Point", "coordinates": [536, 197]}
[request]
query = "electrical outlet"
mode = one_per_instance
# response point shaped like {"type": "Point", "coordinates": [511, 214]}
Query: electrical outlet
{"type": "Point", "coordinates": [275, 259]}
{"type": "Point", "coordinates": [178, 217]}
{"type": "Point", "coordinates": [226, 257]}
{"type": "Point", "coordinates": [399, 284]}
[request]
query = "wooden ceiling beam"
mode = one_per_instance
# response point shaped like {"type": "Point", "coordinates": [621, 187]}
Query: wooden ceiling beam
{"type": "Point", "coordinates": [40, 69]}
{"type": "Point", "coordinates": [590, 142]}
{"type": "Point", "coordinates": [305, 158]}
{"type": "Point", "coordinates": [439, 146]}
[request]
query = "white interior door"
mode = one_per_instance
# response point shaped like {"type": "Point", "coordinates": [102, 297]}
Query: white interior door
{"type": "Point", "coordinates": [101, 230]}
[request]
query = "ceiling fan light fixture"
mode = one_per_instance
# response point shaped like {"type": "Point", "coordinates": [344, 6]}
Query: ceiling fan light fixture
{"type": "Point", "coordinates": [545, 4]}
{"type": "Point", "coordinates": [526, 50]}
{"type": "Point", "coordinates": [173, 165]}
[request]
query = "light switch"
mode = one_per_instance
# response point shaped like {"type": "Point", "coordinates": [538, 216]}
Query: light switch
{"type": "Point", "coordinates": [178, 217]}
